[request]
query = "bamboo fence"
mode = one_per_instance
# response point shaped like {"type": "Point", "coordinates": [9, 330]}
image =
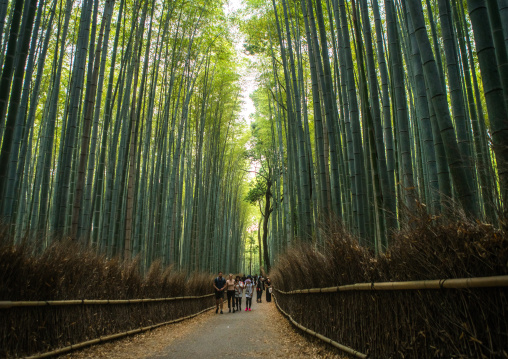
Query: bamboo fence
{"type": "Point", "coordinates": [322, 337]}
{"type": "Point", "coordinates": [49, 327]}
{"type": "Point", "coordinates": [457, 283]}
{"type": "Point", "coordinates": [41, 303]}
{"type": "Point", "coordinates": [315, 304]}
{"type": "Point", "coordinates": [113, 336]}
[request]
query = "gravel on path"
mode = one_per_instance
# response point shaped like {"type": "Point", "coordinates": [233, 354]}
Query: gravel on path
{"type": "Point", "coordinates": [260, 333]}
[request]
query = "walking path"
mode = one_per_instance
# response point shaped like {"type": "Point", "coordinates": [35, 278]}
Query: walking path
{"type": "Point", "coordinates": [260, 333]}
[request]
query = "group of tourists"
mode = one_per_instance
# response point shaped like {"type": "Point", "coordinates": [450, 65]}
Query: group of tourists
{"type": "Point", "coordinates": [235, 289]}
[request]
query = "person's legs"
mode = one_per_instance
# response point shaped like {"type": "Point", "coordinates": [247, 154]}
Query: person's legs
{"type": "Point", "coordinates": [217, 300]}
{"type": "Point", "coordinates": [240, 303]}
{"type": "Point", "coordinates": [221, 303]}
{"type": "Point", "coordinates": [233, 300]}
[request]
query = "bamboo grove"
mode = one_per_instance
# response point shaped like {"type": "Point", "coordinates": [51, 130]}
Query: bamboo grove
{"type": "Point", "coordinates": [368, 109]}
{"type": "Point", "coordinates": [119, 128]}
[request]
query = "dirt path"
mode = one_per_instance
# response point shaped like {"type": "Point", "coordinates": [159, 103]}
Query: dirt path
{"type": "Point", "coordinates": [260, 333]}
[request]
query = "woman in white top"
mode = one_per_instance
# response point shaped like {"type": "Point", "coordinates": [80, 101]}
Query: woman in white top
{"type": "Point", "coordinates": [249, 290]}
{"type": "Point", "coordinates": [238, 293]}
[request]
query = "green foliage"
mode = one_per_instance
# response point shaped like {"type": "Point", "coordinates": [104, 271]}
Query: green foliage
{"type": "Point", "coordinates": [257, 191]}
{"type": "Point", "coordinates": [166, 175]}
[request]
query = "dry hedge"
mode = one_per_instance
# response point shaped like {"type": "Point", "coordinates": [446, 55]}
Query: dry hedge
{"type": "Point", "coordinates": [447, 323]}
{"type": "Point", "coordinates": [66, 271]}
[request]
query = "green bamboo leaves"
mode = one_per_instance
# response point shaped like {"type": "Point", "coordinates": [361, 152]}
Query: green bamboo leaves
{"type": "Point", "coordinates": [120, 129]}
{"type": "Point", "coordinates": [396, 111]}
{"type": "Point", "coordinates": [118, 121]}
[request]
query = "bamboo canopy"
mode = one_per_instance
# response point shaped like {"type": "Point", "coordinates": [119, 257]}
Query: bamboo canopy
{"type": "Point", "coordinates": [11, 304]}
{"type": "Point", "coordinates": [457, 283]}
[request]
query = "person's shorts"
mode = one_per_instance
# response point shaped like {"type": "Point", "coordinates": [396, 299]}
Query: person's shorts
{"type": "Point", "coordinates": [219, 295]}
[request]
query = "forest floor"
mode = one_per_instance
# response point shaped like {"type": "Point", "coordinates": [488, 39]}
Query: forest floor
{"type": "Point", "coordinates": [260, 333]}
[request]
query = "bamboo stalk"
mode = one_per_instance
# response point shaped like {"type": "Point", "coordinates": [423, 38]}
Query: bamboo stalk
{"type": "Point", "coordinates": [457, 283]}
{"type": "Point", "coordinates": [322, 337]}
{"type": "Point", "coordinates": [110, 337]}
{"type": "Point", "coordinates": [11, 304]}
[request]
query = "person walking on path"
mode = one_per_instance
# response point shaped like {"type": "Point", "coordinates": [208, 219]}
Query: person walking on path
{"type": "Point", "coordinates": [230, 284]}
{"type": "Point", "coordinates": [259, 290]}
{"type": "Point", "coordinates": [268, 288]}
{"type": "Point", "coordinates": [219, 284]}
{"type": "Point", "coordinates": [249, 291]}
{"type": "Point", "coordinates": [238, 294]}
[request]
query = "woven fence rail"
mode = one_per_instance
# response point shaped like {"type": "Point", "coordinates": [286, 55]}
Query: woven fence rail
{"type": "Point", "coordinates": [464, 317]}
{"type": "Point", "coordinates": [47, 328]}
{"type": "Point", "coordinates": [456, 283]}
{"type": "Point", "coordinates": [12, 304]}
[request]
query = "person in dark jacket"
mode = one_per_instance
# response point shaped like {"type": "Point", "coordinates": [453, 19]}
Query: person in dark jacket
{"type": "Point", "coordinates": [219, 284]}
{"type": "Point", "coordinates": [260, 287]}
{"type": "Point", "coordinates": [268, 288]}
